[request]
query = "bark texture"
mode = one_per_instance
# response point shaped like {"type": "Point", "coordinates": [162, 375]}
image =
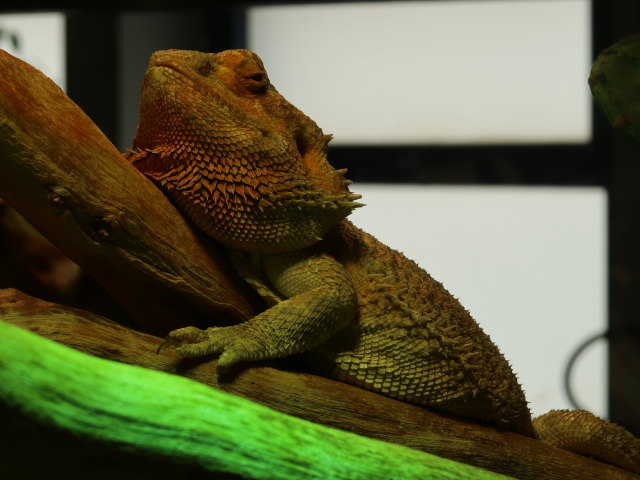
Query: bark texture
{"type": "Point", "coordinates": [317, 399]}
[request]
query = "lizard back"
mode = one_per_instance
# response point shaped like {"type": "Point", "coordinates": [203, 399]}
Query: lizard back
{"type": "Point", "coordinates": [414, 341]}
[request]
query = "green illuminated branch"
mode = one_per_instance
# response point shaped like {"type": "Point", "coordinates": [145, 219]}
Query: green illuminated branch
{"type": "Point", "coordinates": [317, 399]}
{"type": "Point", "coordinates": [161, 414]}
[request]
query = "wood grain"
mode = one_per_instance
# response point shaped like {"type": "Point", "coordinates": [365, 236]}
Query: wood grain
{"type": "Point", "coordinates": [314, 398]}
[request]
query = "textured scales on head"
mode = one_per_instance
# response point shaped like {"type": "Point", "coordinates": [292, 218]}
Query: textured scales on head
{"type": "Point", "coordinates": [246, 166]}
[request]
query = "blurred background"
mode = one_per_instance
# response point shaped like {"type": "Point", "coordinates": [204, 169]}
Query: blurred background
{"type": "Point", "coordinates": [468, 128]}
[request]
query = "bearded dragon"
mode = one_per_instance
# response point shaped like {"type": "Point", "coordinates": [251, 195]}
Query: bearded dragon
{"type": "Point", "coordinates": [251, 170]}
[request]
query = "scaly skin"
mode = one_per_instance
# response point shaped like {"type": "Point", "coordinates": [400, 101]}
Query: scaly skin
{"type": "Point", "coordinates": [250, 170]}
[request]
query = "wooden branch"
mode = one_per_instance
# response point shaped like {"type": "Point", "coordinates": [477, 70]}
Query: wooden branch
{"type": "Point", "coordinates": [314, 398]}
{"type": "Point", "coordinates": [154, 413]}
{"type": "Point", "coordinates": [61, 173]}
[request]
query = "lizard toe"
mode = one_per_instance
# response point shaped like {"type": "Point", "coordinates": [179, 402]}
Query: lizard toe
{"type": "Point", "coordinates": [189, 342]}
{"type": "Point", "coordinates": [186, 335]}
{"type": "Point", "coordinates": [193, 342]}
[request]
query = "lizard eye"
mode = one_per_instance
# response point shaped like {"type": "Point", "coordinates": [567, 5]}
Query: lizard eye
{"type": "Point", "coordinates": [205, 69]}
{"type": "Point", "coordinates": [255, 82]}
{"type": "Point", "coordinates": [257, 77]}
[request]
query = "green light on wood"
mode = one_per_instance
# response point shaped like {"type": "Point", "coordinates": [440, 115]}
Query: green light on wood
{"type": "Point", "coordinates": [154, 412]}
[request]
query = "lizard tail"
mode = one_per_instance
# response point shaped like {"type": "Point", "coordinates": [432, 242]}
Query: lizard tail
{"type": "Point", "coordinates": [582, 432]}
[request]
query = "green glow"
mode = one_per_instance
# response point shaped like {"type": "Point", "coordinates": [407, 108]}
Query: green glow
{"type": "Point", "coordinates": [148, 411]}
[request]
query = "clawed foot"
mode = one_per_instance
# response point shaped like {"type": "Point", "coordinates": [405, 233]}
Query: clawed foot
{"type": "Point", "coordinates": [194, 342]}
{"type": "Point", "coordinates": [186, 337]}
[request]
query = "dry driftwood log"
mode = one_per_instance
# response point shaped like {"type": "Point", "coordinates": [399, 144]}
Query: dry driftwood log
{"type": "Point", "coordinates": [313, 398]}
{"type": "Point", "coordinates": [63, 175]}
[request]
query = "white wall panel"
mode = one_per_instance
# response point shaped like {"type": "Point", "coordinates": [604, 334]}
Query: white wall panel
{"type": "Point", "coordinates": [38, 39]}
{"type": "Point", "coordinates": [435, 72]}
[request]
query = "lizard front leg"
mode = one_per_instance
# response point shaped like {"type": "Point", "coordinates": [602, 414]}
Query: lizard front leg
{"type": "Point", "coordinates": [320, 299]}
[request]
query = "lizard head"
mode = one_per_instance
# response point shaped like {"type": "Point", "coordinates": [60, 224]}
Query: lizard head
{"type": "Point", "coordinates": [243, 164]}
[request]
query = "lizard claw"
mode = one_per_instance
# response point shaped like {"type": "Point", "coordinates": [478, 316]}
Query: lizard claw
{"type": "Point", "coordinates": [165, 343]}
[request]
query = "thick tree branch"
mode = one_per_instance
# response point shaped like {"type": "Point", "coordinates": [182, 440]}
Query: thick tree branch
{"type": "Point", "coordinates": [61, 173]}
{"type": "Point", "coordinates": [164, 415]}
{"type": "Point", "coordinates": [314, 398]}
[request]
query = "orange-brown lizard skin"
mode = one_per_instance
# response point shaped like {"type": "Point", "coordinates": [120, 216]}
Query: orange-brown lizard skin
{"type": "Point", "coordinates": [251, 170]}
